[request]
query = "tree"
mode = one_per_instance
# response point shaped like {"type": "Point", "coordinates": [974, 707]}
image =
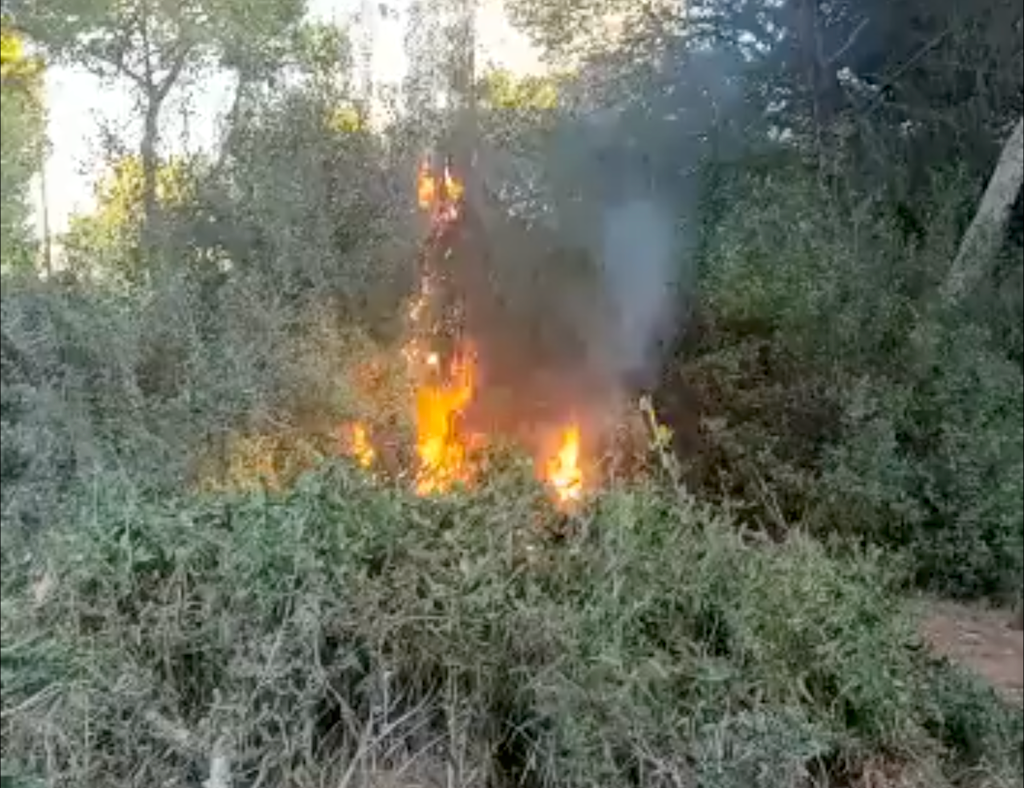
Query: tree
{"type": "Point", "coordinates": [503, 90]}
{"type": "Point", "coordinates": [106, 241]}
{"type": "Point", "coordinates": [574, 29]}
{"type": "Point", "coordinates": [21, 144]}
{"type": "Point", "coordinates": [155, 45]}
{"type": "Point", "coordinates": [986, 232]}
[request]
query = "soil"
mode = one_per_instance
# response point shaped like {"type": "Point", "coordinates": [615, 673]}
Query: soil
{"type": "Point", "coordinates": [981, 640]}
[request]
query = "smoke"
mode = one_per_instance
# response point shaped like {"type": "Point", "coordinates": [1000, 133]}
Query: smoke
{"type": "Point", "coordinates": [637, 162]}
{"type": "Point", "coordinates": [639, 265]}
{"type": "Point", "coordinates": [598, 278]}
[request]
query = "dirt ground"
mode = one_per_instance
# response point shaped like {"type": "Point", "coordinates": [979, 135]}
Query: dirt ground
{"type": "Point", "coordinates": [980, 640]}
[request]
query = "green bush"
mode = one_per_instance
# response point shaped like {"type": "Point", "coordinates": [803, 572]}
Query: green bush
{"type": "Point", "coordinates": [99, 380]}
{"type": "Point", "coordinates": [868, 409]}
{"type": "Point", "coordinates": [344, 628]}
{"type": "Point", "coordinates": [937, 466]}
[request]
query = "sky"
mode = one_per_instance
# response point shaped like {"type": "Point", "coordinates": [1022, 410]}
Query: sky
{"type": "Point", "coordinates": [80, 105]}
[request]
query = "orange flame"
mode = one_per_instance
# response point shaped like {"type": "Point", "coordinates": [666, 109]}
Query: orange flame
{"type": "Point", "coordinates": [361, 446]}
{"type": "Point", "coordinates": [563, 470]}
{"type": "Point", "coordinates": [453, 187]}
{"type": "Point", "coordinates": [358, 445]}
{"type": "Point", "coordinates": [439, 193]}
{"type": "Point", "coordinates": [441, 448]}
{"type": "Point", "coordinates": [426, 186]}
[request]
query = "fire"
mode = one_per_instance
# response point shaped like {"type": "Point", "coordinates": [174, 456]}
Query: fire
{"type": "Point", "coordinates": [563, 470]}
{"type": "Point", "coordinates": [362, 449]}
{"type": "Point", "coordinates": [453, 186]}
{"type": "Point", "coordinates": [445, 386]}
{"type": "Point", "coordinates": [443, 390]}
{"type": "Point", "coordinates": [453, 190]}
{"type": "Point", "coordinates": [439, 193]}
{"type": "Point", "coordinates": [358, 445]}
{"type": "Point", "coordinates": [426, 186]}
{"type": "Point", "coordinates": [440, 444]}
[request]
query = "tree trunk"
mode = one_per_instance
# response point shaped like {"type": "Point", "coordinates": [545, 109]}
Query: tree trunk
{"type": "Point", "coordinates": [821, 80]}
{"type": "Point", "coordinates": [150, 164]}
{"type": "Point", "coordinates": [464, 87]}
{"type": "Point", "coordinates": [227, 144]}
{"type": "Point", "coordinates": [983, 238]}
{"type": "Point", "coordinates": [46, 249]}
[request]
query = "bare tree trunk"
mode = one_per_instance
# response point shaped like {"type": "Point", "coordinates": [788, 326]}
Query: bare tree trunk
{"type": "Point", "coordinates": [44, 212]}
{"type": "Point", "coordinates": [982, 240]}
{"type": "Point", "coordinates": [150, 163]}
{"type": "Point", "coordinates": [819, 74]}
{"type": "Point", "coordinates": [232, 121]}
{"type": "Point", "coordinates": [464, 88]}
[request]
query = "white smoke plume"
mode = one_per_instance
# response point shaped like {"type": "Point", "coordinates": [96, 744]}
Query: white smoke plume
{"type": "Point", "coordinates": [639, 259]}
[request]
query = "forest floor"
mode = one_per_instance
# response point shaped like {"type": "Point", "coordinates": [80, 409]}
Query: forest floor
{"type": "Point", "coordinates": [981, 640]}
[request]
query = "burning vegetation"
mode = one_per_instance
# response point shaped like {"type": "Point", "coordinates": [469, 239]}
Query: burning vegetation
{"type": "Point", "coordinates": [488, 357]}
{"type": "Point", "coordinates": [442, 396]}
{"type": "Point", "coordinates": [358, 445]}
{"type": "Point", "coordinates": [443, 366]}
{"type": "Point", "coordinates": [563, 470]}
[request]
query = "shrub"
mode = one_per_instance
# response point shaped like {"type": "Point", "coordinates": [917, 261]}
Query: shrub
{"type": "Point", "coordinates": [936, 466]}
{"type": "Point", "coordinates": [843, 388]}
{"type": "Point", "coordinates": [345, 628]}
{"type": "Point", "coordinates": [100, 380]}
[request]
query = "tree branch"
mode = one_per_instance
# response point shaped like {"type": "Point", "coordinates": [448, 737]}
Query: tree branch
{"type": "Point", "coordinates": [168, 81]}
{"type": "Point", "coordinates": [850, 41]}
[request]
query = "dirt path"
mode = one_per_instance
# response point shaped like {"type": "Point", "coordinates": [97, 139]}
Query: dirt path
{"type": "Point", "coordinates": [980, 640]}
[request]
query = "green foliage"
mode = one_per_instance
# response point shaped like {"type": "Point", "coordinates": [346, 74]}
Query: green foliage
{"type": "Point", "coordinates": [654, 645]}
{"type": "Point", "coordinates": [108, 240]}
{"type": "Point", "coordinates": [19, 161]}
{"type": "Point", "coordinates": [69, 393]}
{"type": "Point", "coordinates": [268, 258]}
{"type": "Point", "coordinates": [17, 66]}
{"type": "Point", "coordinates": [21, 149]}
{"type": "Point", "coordinates": [567, 27]}
{"type": "Point", "coordinates": [323, 51]}
{"type": "Point", "coordinates": [966, 720]}
{"type": "Point", "coordinates": [154, 48]}
{"type": "Point", "coordinates": [317, 207]}
{"type": "Point", "coordinates": [936, 463]}
{"type": "Point", "coordinates": [98, 380]}
{"type": "Point", "coordinates": [145, 41]}
{"type": "Point", "coordinates": [500, 89]}
{"type": "Point", "coordinates": [914, 414]}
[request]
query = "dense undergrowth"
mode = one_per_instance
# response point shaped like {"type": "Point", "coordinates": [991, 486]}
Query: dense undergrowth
{"type": "Point", "coordinates": [833, 390]}
{"type": "Point", "coordinates": [840, 393]}
{"type": "Point", "coordinates": [346, 633]}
